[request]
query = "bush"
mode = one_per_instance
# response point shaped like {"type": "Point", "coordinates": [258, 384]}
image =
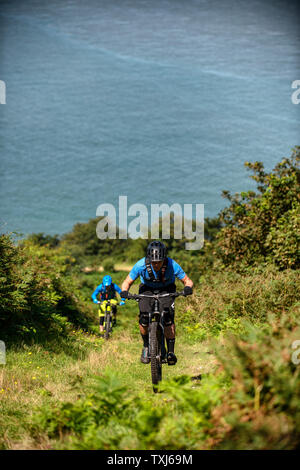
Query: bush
{"type": "Point", "coordinates": [82, 243]}
{"type": "Point", "coordinates": [44, 240]}
{"type": "Point", "coordinates": [35, 287]}
{"type": "Point", "coordinates": [262, 408]}
{"type": "Point", "coordinates": [225, 298]}
{"type": "Point", "coordinates": [264, 226]}
{"type": "Point", "coordinates": [108, 265]}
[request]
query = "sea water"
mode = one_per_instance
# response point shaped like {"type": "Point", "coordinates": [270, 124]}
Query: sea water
{"type": "Point", "coordinates": [159, 101]}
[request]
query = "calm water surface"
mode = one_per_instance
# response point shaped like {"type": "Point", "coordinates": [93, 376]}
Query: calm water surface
{"type": "Point", "coordinates": [162, 101]}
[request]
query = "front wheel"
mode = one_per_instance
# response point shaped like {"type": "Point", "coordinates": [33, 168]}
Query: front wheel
{"type": "Point", "coordinates": [155, 354]}
{"type": "Point", "coordinates": [107, 325]}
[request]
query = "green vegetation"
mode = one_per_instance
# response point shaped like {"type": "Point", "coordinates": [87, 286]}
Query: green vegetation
{"type": "Point", "coordinates": [264, 226]}
{"type": "Point", "coordinates": [235, 385]}
{"type": "Point", "coordinates": [38, 295]}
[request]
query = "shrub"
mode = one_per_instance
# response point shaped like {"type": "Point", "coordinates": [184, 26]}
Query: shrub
{"type": "Point", "coordinates": [264, 226]}
{"type": "Point", "coordinates": [44, 240]}
{"type": "Point", "coordinates": [225, 298]}
{"type": "Point", "coordinates": [109, 265]}
{"type": "Point", "coordinates": [35, 287]}
{"type": "Point", "coordinates": [262, 408]}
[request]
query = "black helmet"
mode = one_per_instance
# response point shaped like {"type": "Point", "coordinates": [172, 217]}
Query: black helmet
{"type": "Point", "coordinates": [156, 251]}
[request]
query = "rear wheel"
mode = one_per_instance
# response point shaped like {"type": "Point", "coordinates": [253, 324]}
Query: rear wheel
{"type": "Point", "coordinates": [155, 354]}
{"type": "Point", "coordinates": [107, 325]}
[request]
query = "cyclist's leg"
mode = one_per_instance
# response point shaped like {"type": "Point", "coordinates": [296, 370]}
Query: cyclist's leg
{"type": "Point", "coordinates": [170, 339]}
{"type": "Point", "coordinates": [145, 306]}
{"type": "Point", "coordinates": [114, 311]}
{"type": "Point", "coordinates": [169, 312]}
{"type": "Point", "coordinates": [168, 305]}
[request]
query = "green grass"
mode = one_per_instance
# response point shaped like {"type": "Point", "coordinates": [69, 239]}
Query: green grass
{"type": "Point", "coordinates": [80, 392]}
{"type": "Point", "coordinates": [38, 376]}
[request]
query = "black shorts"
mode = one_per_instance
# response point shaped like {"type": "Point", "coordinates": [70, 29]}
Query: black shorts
{"type": "Point", "coordinates": [146, 305]}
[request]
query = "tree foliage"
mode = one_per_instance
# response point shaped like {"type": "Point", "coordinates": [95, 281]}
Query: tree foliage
{"type": "Point", "coordinates": [37, 294]}
{"type": "Point", "coordinates": [264, 226]}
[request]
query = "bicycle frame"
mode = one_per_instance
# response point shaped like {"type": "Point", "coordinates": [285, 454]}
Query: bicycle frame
{"type": "Point", "coordinates": [107, 318]}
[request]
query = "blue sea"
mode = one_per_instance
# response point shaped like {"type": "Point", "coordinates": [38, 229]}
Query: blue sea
{"type": "Point", "coordinates": [160, 101]}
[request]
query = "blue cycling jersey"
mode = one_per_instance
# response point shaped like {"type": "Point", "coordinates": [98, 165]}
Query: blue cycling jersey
{"type": "Point", "coordinates": [173, 270]}
{"type": "Point", "coordinates": [101, 290]}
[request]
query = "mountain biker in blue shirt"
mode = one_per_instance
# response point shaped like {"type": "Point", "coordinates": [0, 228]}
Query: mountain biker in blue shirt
{"type": "Point", "coordinates": [106, 291]}
{"type": "Point", "coordinates": [157, 272]}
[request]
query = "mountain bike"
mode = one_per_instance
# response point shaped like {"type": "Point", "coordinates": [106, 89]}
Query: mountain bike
{"type": "Point", "coordinates": [156, 333]}
{"type": "Point", "coordinates": [108, 318]}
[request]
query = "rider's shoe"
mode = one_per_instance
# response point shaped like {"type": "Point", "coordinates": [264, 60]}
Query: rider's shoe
{"type": "Point", "coordinates": [172, 359]}
{"type": "Point", "coordinates": [145, 356]}
{"type": "Point", "coordinates": [164, 358]}
{"type": "Point", "coordinates": [114, 322]}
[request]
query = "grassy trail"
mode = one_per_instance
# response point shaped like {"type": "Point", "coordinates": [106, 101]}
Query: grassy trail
{"type": "Point", "coordinates": [36, 376]}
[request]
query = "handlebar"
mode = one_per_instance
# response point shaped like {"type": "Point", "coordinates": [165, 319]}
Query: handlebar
{"type": "Point", "coordinates": [155, 296]}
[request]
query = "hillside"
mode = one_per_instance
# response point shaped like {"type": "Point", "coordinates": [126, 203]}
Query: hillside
{"type": "Point", "coordinates": [237, 381]}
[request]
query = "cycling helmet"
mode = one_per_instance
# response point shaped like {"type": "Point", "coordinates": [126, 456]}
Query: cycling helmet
{"type": "Point", "coordinates": [156, 251]}
{"type": "Point", "coordinates": [107, 281]}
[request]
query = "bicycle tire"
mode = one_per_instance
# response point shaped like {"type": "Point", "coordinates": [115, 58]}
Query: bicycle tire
{"type": "Point", "coordinates": [155, 354]}
{"type": "Point", "coordinates": [107, 325]}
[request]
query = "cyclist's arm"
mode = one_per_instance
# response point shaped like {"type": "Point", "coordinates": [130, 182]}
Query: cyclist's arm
{"type": "Point", "coordinates": [96, 293]}
{"type": "Point", "coordinates": [118, 290]}
{"type": "Point", "coordinates": [127, 283]}
{"type": "Point", "coordinates": [187, 281]}
{"type": "Point", "coordinates": [180, 274]}
{"type": "Point", "coordinates": [133, 275]}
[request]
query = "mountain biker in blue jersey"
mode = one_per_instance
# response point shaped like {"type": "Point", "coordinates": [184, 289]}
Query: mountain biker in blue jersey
{"type": "Point", "coordinates": [106, 291]}
{"type": "Point", "coordinates": [157, 273]}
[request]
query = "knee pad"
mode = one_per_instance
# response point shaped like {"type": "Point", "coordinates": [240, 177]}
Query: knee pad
{"type": "Point", "coordinates": [168, 317]}
{"type": "Point", "coordinates": [144, 319]}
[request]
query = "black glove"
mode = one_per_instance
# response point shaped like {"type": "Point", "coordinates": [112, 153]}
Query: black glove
{"type": "Point", "coordinates": [187, 290]}
{"type": "Point", "coordinates": [124, 294]}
